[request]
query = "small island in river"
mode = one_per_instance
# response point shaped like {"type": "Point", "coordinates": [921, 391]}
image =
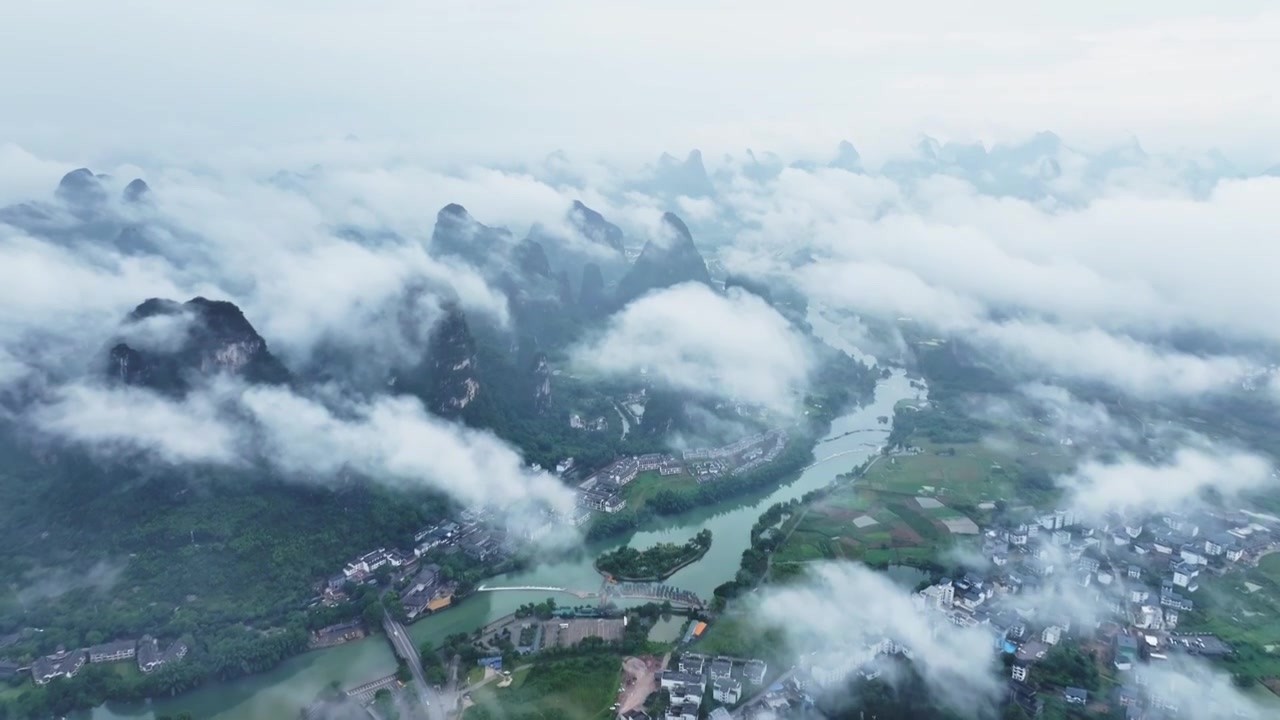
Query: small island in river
{"type": "Point", "coordinates": [653, 564]}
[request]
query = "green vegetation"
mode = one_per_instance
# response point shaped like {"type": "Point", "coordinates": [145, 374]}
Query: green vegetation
{"type": "Point", "coordinates": [543, 610]}
{"type": "Point", "coordinates": [1067, 665]}
{"type": "Point", "coordinates": [640, 492]}
{"type": "Point", "coordinates": [572, 687]}
{"type": "Point", "coordinates": [223, 560]}
{"type": "Point", "coordinates": [878, 528]}
{"type": "Point", "coordinates": [1243, 608]}
{"type": "Point", "coordinates": [653, 564]}
{"type": "Point", "coordinates": [735, 633]}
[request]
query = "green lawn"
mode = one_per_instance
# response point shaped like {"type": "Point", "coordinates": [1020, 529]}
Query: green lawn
{"type": "Point", "coordinates": [967, 473]}
{"type": "Point", "coordinates": [581, 687]}
{"type": "Point", "coordinates": [647, 484]}
{"type": "Point", "coordinates": [736, 633]}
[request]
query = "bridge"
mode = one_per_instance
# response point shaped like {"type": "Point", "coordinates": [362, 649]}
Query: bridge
{"type": "Point", "coordinates": [839, 454]}
{"type": "Point", "coordinates": [622, 591]}
{"type": "Point", "coordinates": [434, 707]}
{"type": "Point", "coordinates": [537, 588]}
{"type": "Point", "coordinates": [364, 693]}
{"type": "Point", "coordinates": [656, 592]}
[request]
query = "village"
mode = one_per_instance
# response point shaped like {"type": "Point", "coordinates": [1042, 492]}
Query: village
{"type": "Point", "coordinates": [602, 490]}
{"type": "Point", "coordinates": [1118, 587]}
{"type": "Point", "coordinates": [149, 654]}
{"type": "Point", "coordinates": [423, 587]}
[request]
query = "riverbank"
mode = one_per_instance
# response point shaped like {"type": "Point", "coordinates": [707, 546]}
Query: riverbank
{"type": "Point", "coordinates": [626, 564]}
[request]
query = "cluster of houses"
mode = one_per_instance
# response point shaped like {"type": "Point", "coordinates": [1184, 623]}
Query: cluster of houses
{"type": "Point", "coordinates": [766, 452]}
{"type": "Point", "coordinates": [1139, 574]}
{"type": "Point", "coordinates": [735, 448]}
{"type": "Point", "coordinates": [818, 673]}
{"type": "Point", "coordinates": [687, 683]}
{"type": "Point", "coordinates": [424, 588]}
{"type": "Point", "coordinates": [67, 663]}
{"type": "Point", "coordinates": [598, 424]}
{"type": "Point", "coordinates": [602, 490]}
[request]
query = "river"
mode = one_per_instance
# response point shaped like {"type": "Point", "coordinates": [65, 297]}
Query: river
{"type": "Point", "coordinates": [277, 695]}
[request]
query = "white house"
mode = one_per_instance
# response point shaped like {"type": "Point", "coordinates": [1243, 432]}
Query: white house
{"type": "Point", "coordinates": [1051, 635]}
{"type": "Point", "coordinates": [1192, 556]}
{"type": "Point", "coordinates": [727, 691]}
{"type": "Point", "coordinates": [1184, 576]}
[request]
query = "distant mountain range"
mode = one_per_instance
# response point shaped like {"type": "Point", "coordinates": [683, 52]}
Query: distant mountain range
{"type": "Point", "coordinates": [557, 281]}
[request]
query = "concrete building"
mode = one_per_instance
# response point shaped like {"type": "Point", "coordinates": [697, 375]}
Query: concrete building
{"type": "Point", "coordinates": [727, 691]}
{"type": "Point", "coordinates": [64, 663]}
{"type": "Point", "coordinates": [113, 651]}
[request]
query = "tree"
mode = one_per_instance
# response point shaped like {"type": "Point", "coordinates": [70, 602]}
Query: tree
{"type": "Point", "coordinates": [1014, 711]}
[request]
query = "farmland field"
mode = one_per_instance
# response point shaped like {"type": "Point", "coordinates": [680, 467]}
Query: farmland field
{"type": "Point", "coordinates": [876, 527]}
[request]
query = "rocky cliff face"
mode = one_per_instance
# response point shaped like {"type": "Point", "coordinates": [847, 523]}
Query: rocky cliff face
{"type": "Point", "coordinates": [592, 299]}
{"type": "Point", "coordinates": [595, 228]}
{"type": "Point", "coordinates": [458, 234]}
{"type": "Point", "coordinates": [673, 177]}
{"type": "Point", "coordinates": [203, 339]}
{"type": "Point", "coordinates": [667, 260]}
{"type": "Point", "coordinates": [81, 189]}
{"type": "Point", "coordinates": [531, 260]}
{"type": "Point", "coordinates": [136, 191]}
{"type": "Point", "coordinates": [452, 375]}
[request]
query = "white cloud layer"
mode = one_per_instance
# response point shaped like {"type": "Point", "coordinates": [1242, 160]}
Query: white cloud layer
{"type": "Point", "coordinates": [393, 441]}
{"type": "Point", "coordinates": [692, 338]}
{"type": "Point", "coordinates": [842, 607]}
{"type": "Point", "coordinates": [1096, 488]}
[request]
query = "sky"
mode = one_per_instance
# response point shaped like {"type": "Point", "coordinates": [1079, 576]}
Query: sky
{"type": "Point", "coordinates": [87, 82]}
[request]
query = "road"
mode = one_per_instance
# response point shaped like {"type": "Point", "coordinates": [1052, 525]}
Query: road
{"type": "Point", "coordinates": [742, 709]}
{"type": "Point", "coordinates": [405, 649]}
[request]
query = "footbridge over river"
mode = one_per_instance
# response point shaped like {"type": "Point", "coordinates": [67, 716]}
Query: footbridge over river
{"type": "Point", "coordinates": [657, 592]}
{"type": "Point", "coordinates": [537, 588]}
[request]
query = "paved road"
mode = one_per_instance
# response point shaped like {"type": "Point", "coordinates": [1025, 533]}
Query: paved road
{"type": "Point", "coordinates": [405, 649]}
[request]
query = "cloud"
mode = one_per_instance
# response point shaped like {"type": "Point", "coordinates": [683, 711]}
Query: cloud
{"type": "Point", "coordinates": [1096, 488]}
{"type": "Point", "coordinates": [318, 439]}
{"type": "Point", "coordinates": [127, 420]}
{"type": "Point", "coordinates": [842, 607]}
{"type": "Point", "coordinates": [394, 440]}
{"type": "Point", "coordinates": [1123, 288]}
{"type": "Point", "coordinates": [691, 338]}
{"type": "Point", "coordinates": [1186, 683]}
{"type": "Point", "coordinates": [44, 583]}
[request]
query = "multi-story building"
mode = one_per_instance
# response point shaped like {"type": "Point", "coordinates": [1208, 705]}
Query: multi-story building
{"type": "Point", "coordinates": [113, 651]}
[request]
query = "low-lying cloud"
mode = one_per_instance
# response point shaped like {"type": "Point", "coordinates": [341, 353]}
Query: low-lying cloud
{"type": "Point", "coordinates": [1131, 485]}
{"type": "Point", "coordinates": [390, 440]}
{"type": "Point", "coordinates": [842, 607]}
{"type": "Point", "coordinates": [696, 340]}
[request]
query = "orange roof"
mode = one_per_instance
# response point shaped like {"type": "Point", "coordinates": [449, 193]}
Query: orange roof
{"type": "Point", "coordinates": [697, 629]}
{"type": "Point", "coordinates": [439, 602]}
